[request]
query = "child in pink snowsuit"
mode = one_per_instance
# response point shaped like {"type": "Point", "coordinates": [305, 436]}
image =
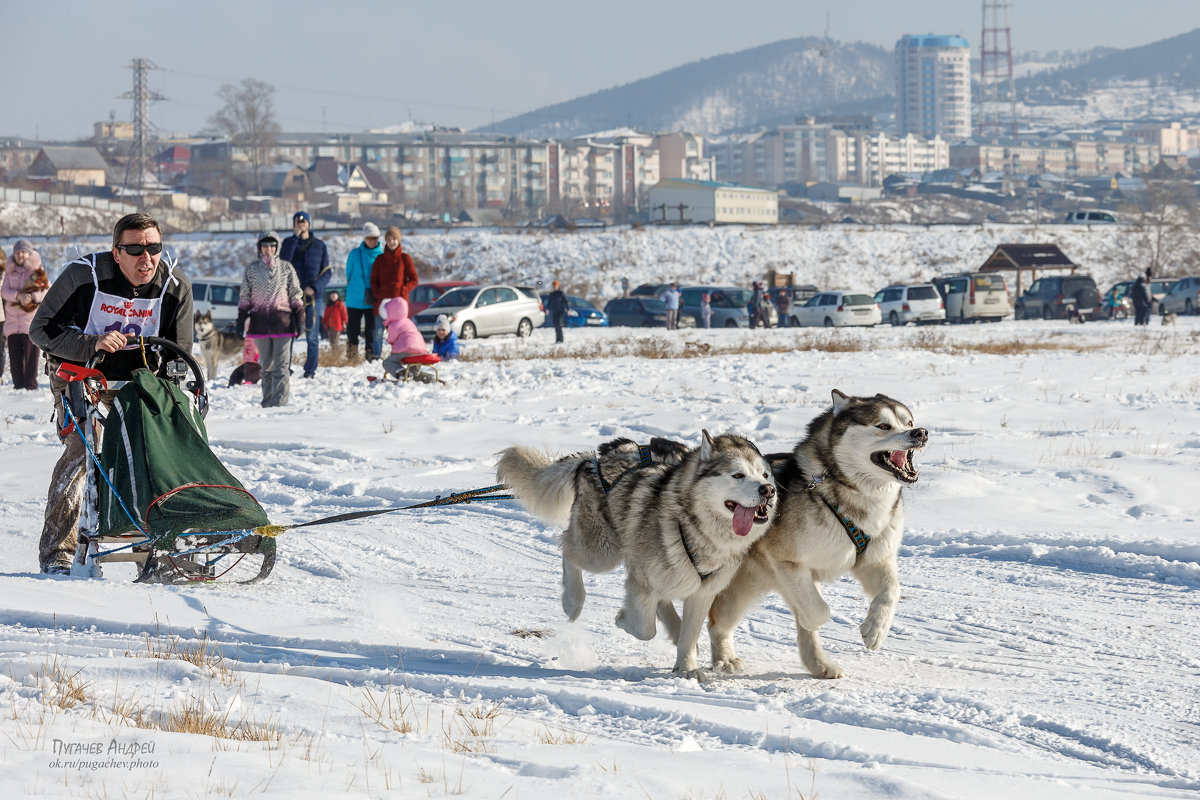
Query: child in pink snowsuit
{"type": "Point", "coordinates": [402, 335]}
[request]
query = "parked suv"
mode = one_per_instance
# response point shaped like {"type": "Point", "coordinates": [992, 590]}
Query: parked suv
{"type": "Point", "coordinates": [919, 303]}
{"type": "Point", "coordinates": [218, 295]}
{"type": "Point", "coordinates": [1061, 297]}
{"type": "Point", "coordinates": [484, 311]}
{"type": "Point", "coordinates": [1183, 297]}
{"type": "Point", "coordinates": [975, 296]}
{"type": "Point", "coordinates": [729, 305]}
{"type": "Point", "coordinates": [1091, 218]}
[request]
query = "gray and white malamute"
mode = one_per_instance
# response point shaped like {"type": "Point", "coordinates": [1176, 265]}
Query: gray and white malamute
{"type": "Point", "coordinates": [840, 511]}
{"type": "Point", "coordinates": [680, 519]}
{"type": "Point", "coordinates": [214, 344]}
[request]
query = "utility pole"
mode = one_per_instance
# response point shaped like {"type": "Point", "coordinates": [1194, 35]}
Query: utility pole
{"type": "Point", "coordinates": [142, 96]}
{"type": "Point", "coordinates": [995, 67]}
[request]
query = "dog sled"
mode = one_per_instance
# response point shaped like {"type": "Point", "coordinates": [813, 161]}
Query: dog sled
{"type": "Point", "coordinates": [155, 495]}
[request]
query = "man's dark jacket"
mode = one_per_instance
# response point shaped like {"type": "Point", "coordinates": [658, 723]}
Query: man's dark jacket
{"type": "Point", "coordinates": [311, 260]}
{"type": "Point", "coordinates": [57, 327]}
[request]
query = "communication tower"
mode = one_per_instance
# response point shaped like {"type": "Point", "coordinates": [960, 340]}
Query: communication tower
{"type": "Point", "coordinates": [996, 116]}
{"type": "Point", "coordinates": [142, 96]}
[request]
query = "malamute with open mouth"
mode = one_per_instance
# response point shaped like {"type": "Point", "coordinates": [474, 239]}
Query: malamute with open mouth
{"type": "Point", "coordinates": [840, 510]}
{"type": "Point", "coordinates": [680, 519]}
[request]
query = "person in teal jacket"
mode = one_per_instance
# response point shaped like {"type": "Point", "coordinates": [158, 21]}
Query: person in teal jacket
{"type": "Point", "coordinates": [359, 303]}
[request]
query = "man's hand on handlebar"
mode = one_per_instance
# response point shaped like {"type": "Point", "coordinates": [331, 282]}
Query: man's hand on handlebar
{"type": "Point", "coordinates": [111, 342]}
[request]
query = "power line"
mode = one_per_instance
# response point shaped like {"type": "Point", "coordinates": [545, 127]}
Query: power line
{"type": "Point", "coordinates": [352, 95]}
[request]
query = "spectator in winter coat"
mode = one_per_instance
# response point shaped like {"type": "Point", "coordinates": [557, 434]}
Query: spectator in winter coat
{"type": "Point", "coordinates": [706, 310]}
{"type": "Point", "coordinates": [670, 297]}
{"type": "Point", "coordinates": [1143, 301]}
{"type": "Point", "coordinates": [402, 335]}
{"type": "Point", "coordinates": [310, 258]}
{"type": "Point", "coordinates": [273, 305]}
{"type": "Point", "coordinates": [3, 339]}
{"type": "Point", "coordinates": [558, 306]}
{"type": "Point", "coordinates": [445, 343]}
{"type": "Point", "coordinates": [334, 322]}
{"type": "Point", "coordinates": [359, 303]}
{"type": "Point", "coordinates": [392, 275]}
{"type": "Point", "coordinates": [22, 291]}
{"type": "Point", "coordinates": [98, 303]}
{"type": "Point", "coordinates": [783, 304]}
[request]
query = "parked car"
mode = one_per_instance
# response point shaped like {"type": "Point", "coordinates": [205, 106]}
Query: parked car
{"type": "Point", "coordinates": [218, 295]}
{"type": "Point", "coordinates": [484, 311]}
{"type": "Point", "coordinates": [729, 305]}
{"type": "Point", "coordinates": [1094, 217]}
{"type": "Point", "coordinates": [580, 313]}
{"type": "Point", "coordinates": [975, 296]}
{"type": "Point", "coordinates": [649, 289]}
{"type": "Point", "coordinates": [1183, 298]}
{"type": "Point", "coordinates": [838, 309]}
{"type": "Point", "coordinates": [1060, 297]}
{"type": "Point", "coordinates": [920, 303]}
{"type": "Point", "coordinates": [641, 312]}
{"type": "Point", "coordinates": [1116, 302]}
{"type": "Point", "coordinates": [423, 295]}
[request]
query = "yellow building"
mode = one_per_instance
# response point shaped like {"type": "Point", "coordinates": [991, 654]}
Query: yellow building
{"type": "Point", "coordinates": [680, 200]}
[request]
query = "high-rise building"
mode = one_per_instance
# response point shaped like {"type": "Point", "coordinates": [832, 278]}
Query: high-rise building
{"type": "Point", "coordinates": [933, 87]}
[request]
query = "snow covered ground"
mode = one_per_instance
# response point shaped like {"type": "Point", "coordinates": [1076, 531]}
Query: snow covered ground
{"type": "Point", "coordinates": [1045, 645]}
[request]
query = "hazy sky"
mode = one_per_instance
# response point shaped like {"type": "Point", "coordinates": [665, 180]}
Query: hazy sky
{"type": "Point", "coordinates": [349, 66]}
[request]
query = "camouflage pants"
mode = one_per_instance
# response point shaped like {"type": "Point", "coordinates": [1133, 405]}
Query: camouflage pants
{"type": "Point", "coordinates": [64, 499]}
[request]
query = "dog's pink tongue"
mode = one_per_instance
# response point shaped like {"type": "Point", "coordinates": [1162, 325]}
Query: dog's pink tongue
{"type": "Point", "coordinates": [743, 519]}
{"type": "Point", "coordinates": [898, 458]}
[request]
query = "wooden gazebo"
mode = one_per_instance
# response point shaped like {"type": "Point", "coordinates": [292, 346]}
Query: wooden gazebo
{"type": "Point", "coordinates": [1029, 258]}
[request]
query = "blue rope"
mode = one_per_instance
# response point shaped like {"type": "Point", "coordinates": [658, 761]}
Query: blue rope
{"type": "Point", "coordinates": [79, 430]}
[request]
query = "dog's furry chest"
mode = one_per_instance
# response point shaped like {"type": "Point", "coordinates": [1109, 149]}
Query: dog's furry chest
{"type": "Point", "coordinates": [808, 532]}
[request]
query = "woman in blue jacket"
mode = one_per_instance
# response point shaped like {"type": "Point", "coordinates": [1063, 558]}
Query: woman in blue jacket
{"type": "Point", "coordinates": [359, 303]}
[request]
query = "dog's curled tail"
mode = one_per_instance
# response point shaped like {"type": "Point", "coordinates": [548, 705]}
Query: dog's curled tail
{"type": "Point", "coordinates": [544, 485]}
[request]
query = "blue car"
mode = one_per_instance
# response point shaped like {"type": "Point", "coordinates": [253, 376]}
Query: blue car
{"type": "Point", "coordinates": [581, 313]}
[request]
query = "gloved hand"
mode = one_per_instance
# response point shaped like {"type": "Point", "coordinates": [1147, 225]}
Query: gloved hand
{"type": "Point", "coordinates": [241, 321]}
{"type": "Point", "coordinates": [297, 323]}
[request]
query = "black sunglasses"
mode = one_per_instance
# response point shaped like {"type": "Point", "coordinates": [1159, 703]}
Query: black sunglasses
{"type": "Point", "coordinates": [137, 249]}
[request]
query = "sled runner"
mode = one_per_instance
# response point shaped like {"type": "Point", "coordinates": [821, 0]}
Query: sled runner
{"type": "Point", "coordinates": [154, 493]}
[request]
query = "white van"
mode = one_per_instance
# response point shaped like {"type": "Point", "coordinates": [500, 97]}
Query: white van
{"type": "Point", "coordinates": [975, 297]}
{"type": "Point", "coordinates": [218, 295]}
{"type": "Point", "coordinates": [1091, 218]}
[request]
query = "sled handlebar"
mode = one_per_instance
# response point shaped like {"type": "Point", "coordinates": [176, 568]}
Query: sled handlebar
{"type": "Point", "coordinates": [197, 388]}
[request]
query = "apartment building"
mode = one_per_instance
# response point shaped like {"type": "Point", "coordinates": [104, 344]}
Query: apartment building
{"type": "Point", "coordinates": [809, 152]}
{"type": "Point", "coordinates": [933, 87]}
{"type": "Point", "coordinates": [1078, 156]}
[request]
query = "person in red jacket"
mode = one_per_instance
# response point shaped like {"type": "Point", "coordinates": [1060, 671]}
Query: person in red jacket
{"type": "Point", "coordinates": [334, 322]}
{"type": "Point", "coordinates": [393, 274]}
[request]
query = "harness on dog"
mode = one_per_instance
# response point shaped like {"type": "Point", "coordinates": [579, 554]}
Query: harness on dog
{"type": "Point", "coordinates": [857, 535]}
{"type": "Point", "coordinates": [644, 460]}
{"type": "Point", "coordinates": [690, 555]}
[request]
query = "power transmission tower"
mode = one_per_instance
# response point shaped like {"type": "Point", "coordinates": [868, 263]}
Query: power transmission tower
{"type": "Point", "coordinates": [995, 68]}
{"type": "Point", "coordinates": [142, 96]}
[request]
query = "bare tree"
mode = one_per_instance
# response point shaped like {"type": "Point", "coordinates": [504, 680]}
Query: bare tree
{"type": "Point", "coordinates": [1164, 217]}
{"type": "Point", "coordinates": [248, 120]}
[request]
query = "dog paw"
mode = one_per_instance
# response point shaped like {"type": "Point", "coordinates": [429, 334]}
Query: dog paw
{"type": "Point", "coordinates": [873, 632]}
{"type": "Point", "coordinates": [695, 673]}
{"type": "Point", "coordinates": [644, 632]}
{"type": "Point", "coordinates": [828, 670]}
{"type": "Point", "coordinates": [732, 664]}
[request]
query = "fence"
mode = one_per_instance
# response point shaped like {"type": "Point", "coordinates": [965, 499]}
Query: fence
{"type": "Point", "coordinates": [56, 199]}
